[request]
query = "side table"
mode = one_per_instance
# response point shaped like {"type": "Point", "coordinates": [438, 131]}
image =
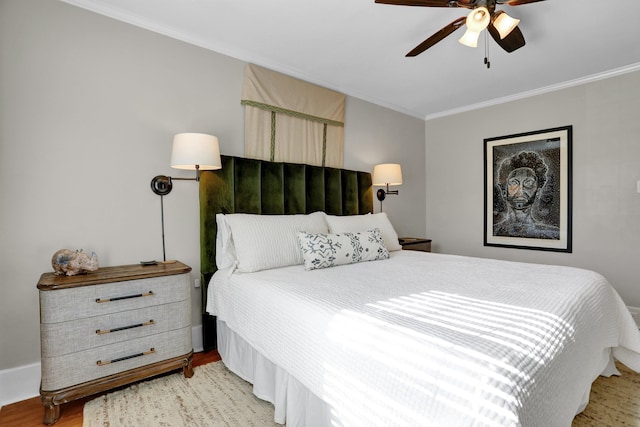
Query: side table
{"type": "Point", "coordinates": [415, 244]}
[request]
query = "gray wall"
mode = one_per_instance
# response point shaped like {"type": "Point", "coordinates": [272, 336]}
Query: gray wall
{"type": "Point", "coordinates": [88, 109]}
{"type": "Point", "coordinates": [606, 167]}
{"type": "Point", "coordinates": [376, 135]}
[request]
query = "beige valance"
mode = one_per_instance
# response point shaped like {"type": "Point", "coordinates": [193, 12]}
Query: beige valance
{"type": "Point", "coordinates": [290, 120]}
{"type": "Point", "coordinates": [273, 91]}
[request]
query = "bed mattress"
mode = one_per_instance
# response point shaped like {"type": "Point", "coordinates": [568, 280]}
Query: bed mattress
{"type": "Point", "coordinates": [432, 339]}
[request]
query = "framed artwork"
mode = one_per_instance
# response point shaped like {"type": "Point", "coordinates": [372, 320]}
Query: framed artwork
{"type": "Point", "coordinates": [527, 193]}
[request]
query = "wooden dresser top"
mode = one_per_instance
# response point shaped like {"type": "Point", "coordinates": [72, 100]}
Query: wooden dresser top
{"type": "Point", "coordinates": [50, 282]}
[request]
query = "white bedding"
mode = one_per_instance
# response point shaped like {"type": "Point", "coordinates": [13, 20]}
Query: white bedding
{"type": "Point", "coordinates": [429, 339]}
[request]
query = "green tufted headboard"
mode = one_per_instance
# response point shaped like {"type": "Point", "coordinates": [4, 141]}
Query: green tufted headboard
{"type": "Point", "coordinates": [271, 188]}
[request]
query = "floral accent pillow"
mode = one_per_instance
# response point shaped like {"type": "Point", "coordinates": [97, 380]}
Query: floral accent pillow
{"type": "Point", "coordinates": [328, 250]}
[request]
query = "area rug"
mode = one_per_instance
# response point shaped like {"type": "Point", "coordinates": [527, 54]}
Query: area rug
{"type": "Point", "coordinates": [213, 397]}
{"type": "Point", "coordinates": [614, 401]}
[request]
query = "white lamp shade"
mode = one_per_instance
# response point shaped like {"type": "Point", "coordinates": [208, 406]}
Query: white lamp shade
{"type": "Point", "coordinates": [191, 149]}
{"type": "Point", "coordinates": [470, 38]}
{"type": "Point", "coordinates": [387, 174]}
{"type": "Point", "coordinates": [478, 19]}
{"type": "Point", "coordinates": [504, 24]}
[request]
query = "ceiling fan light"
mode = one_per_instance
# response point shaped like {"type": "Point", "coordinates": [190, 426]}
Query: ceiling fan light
{"type": "Point", "coordinates": [478, 19]}
{"type": "Point", "coordinates": [504, 23]}
{"type": "Point", "coordinates": [470, 38]}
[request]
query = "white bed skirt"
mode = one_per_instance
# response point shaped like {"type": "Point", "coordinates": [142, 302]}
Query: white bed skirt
{"type": "Point", "coordinates": [293, 402]}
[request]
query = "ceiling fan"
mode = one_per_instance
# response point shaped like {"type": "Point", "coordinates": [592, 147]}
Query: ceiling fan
{"type": "Point", "coordinates": [503, 28]}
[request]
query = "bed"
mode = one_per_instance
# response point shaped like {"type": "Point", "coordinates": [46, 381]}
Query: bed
{"type": "Point", "coordinates": [398, 337]}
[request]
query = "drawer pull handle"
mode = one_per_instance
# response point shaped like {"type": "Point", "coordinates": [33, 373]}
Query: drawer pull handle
{"type": "Point", "coordinates": [124, 328]}
{"type": "Point", "coordinates": [146, 294]}
{"type": "Point", "coordinates": [120, 359]}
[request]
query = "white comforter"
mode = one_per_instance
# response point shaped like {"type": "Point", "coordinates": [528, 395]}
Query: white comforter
{"type": "Point", "coordinates": [429, 339]}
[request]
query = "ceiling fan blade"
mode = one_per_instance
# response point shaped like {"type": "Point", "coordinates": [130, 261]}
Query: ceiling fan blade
{"type": "Point", "coordinates": [425, 3]}
{"type": "Point", "coordinates": [513, 41]}
{"type": "Point", "coordinates": [441, 34]}
{"type": "Point", "coordinates": [517, 2]}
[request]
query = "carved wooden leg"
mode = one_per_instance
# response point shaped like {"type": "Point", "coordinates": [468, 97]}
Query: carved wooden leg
{"type": "Point", "coordinates": [187, 369]}
{"type": "Point", "coordinates": [51, 410]}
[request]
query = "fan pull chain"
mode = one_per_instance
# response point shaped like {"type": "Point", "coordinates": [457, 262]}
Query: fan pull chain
{"type": "Point", "coordinates": [486, 50]}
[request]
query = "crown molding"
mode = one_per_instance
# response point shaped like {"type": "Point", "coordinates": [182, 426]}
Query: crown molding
{"type": "Point", "coordinates": [547, 89]}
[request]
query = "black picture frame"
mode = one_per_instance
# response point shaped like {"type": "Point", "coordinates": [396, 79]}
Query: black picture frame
{"type": "Point", "coordinates": [528, 190]}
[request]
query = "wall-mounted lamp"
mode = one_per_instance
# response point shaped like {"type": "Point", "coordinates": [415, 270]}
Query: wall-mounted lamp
{"type": "Point", "coordinates": [385, 175]}
{"type": "Point", "coordinates": [190, 151]}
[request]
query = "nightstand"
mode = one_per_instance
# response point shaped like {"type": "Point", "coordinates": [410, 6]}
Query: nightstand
{"type": "Point", "coordinates": [415, 244]}
{"type": "Point", "coordinates": [112, 327]}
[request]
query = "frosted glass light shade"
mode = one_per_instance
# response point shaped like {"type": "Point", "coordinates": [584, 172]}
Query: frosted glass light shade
{"type": "Point", "coordinates": [191, 149]}
{"type": "Point", "coordinates": [504, 24]}
{"type": "Point", "coordinates": [470, 38]}
{"type": "Point", "coordinates": [387, 174]}
{"type": "Point", "coordinates": [478, 19]}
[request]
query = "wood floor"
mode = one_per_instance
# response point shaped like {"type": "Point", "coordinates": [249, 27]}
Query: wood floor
{"type": "Point", "coordinates": [614, 402]}
{"type": "Point", "coordinates": [28, 413]}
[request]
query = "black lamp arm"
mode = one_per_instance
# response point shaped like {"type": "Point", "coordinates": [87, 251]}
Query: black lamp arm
{"type": "Point", "coordinates": [162, 184]}
{"type": "Point", "coordinates": [197, 178]}
{"type": "Point", "coordinates": [381, 194]}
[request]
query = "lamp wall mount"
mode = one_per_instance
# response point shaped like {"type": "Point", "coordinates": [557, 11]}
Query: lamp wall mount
{"type": "Point", "coordinates": [162, 184]}
{"type": "Point", "coordinates": [382, 194]}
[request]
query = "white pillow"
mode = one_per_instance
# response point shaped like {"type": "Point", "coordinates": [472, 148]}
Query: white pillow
{"type": "Point", "coordinates": [329, 250]}
{"type": "Point", "coordinates": [355, 223]}
{"type": "Point", "coordinates": [225, 251]}
{"type": "Point", "coordinates": [270, 241]}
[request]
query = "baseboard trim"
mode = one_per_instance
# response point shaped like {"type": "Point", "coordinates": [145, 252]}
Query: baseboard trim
{"type": "Point", "coordinates": [19, 383]}
{"type": "Point", "coordinates": [23, 382]}
{"type": "Point", "coordinates": [196, 338]}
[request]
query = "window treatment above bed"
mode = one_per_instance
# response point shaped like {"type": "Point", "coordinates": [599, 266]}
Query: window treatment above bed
{"type": "Point", "coordinates": [290, 120]}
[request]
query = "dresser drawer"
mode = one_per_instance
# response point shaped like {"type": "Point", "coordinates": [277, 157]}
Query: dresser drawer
{"type": "Point", "coordinates": [89, 301]}
{"type": "Point", "coordinates": [58, 339]}
{"type": "Point", "coordinates": [75, 368]}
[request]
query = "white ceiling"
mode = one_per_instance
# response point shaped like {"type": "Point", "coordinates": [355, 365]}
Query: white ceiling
{"type": "Point", "coordinates": [357, 47]}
